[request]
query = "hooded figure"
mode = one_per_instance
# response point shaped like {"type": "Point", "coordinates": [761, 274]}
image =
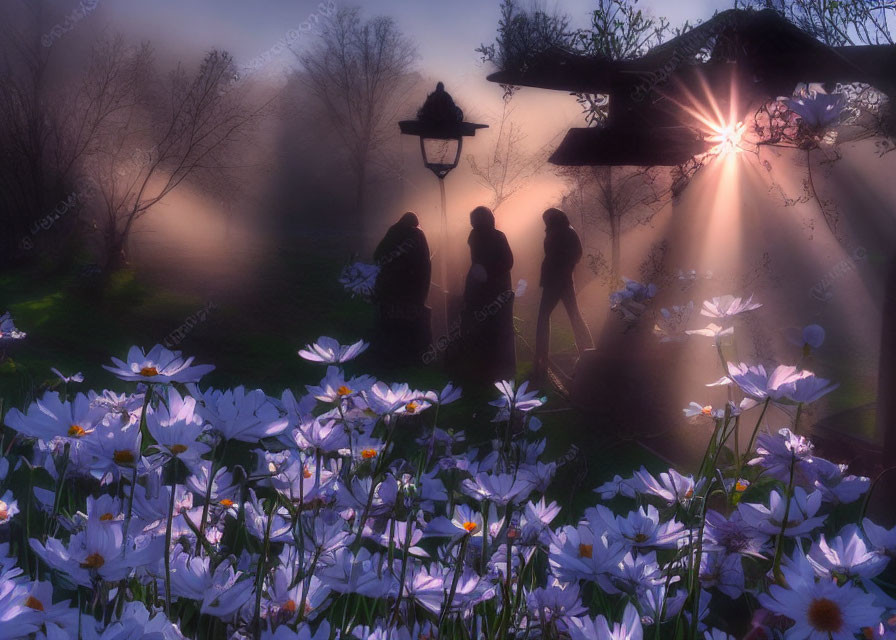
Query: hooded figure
{"type": "Point", "coordinates": [405, 267]}
{"type": "Point", "coordinates": [487, 323]}
{"type": "Point", "coordinates": [402, 286]}
{"type": "Point", "coordinates": [562, 252]}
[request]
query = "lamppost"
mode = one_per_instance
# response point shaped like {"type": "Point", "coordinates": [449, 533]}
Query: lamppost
{"type": "Point", "coordinates": [441, 128]}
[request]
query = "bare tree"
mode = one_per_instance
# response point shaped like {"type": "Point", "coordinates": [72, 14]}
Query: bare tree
{"type": "Point", "coordinates": [507, 168]}
{"type": "Point", "coordinates": [836, 22]}
{"type": "Point", "coordinates": [189, 129]}
{"type": "Point", "coordinates": [361, 74]}
{"type": "Point", "coordinates": [51, 122]}
{"type": "Point", "coordinates": [614, 200]}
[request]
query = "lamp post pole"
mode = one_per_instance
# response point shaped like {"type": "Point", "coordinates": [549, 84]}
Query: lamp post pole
{"type": "Point", "coordinates": [444, 259]}
{"type": "Point", "coordinates": [440, 120]}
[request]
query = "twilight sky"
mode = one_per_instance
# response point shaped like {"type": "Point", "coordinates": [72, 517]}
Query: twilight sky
{"type": "Point", "coordinates": [446, 32]}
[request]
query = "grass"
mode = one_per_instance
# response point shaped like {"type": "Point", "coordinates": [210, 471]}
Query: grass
{"type": "Point", "coordinates": [252, 340]}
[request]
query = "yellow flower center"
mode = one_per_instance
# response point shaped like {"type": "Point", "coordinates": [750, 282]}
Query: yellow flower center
{"type": "Point", "coordinates": [411, 406]}
{"type": "Point", "coordinates": [367, 454]}
{"type": "Point", "coordinates": [123, 456]}
{"type": "Point", "coordinates": [93, 561]}
{"type": "Point", "coordinates": [586, 550]}
{"type": "Point", "coordinates": [148, 372]}
{"type": "Point", "coordinates": [177, 449]}
{"type": "Point", "coordinates": [824, 615]}
{"type": "Point", "coordinates": [33, 603]}
{"type": "Point", "coordinates": [75, 431]}
{"type": "Point", "coordinates": [226, 503]}
{"type": "Point", "coordinates": [707, 410]}
{"type": "Point", "coordinates": [289, 606]}
{"type": "Point", "coordinates": [343, 391]}
{"type": "Point", "coordinates": [106, 517]}
{"type": "Point", "coordinates": [470, 526]}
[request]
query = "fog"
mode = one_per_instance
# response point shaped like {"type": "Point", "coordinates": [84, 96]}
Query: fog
{"type": "Point", "coordinates": [292, 187]}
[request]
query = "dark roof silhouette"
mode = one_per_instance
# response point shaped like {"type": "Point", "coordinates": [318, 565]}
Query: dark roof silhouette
{"type": "Point", "coordinates": [762, 53]}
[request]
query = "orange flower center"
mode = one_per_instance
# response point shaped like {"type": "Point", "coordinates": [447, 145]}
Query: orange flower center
{"type": "Point", "coordinates": [33, 603]}
{"type": "Point", "coordinates": [149, 372]}
{"type": "Point", "coordinates": [306, 473]}
{"type": "Point", "coordinates": [289, 606]}
{"type": "Point", "coordinates": [75, 431]}
{"type": "Point", "coordinates": [177, 449]}
{"type": "Point", "coordinates": [470, 526]}
{"type": "Point", "coordinates": [226, 503]}
{"type": "Point", "coordinates": [585, 550]}
{"type": "Point", "coordinates": [740, 486]}
{"type": "Point", "coordinates": [343, 391]}
{"type": "Point", "coordinates": [4, 510]}
{"type": "Point", "coordinates": [707, 410]}
{"type": "Point", "coordinates": [825, 616]}
{"type": "Point", "coordinates": [367, 454]}
{"type": "Point", "coordinates": [123, 456]}
{"type": "Point", "coordinates": [411, 406]}
{"type": "Point", "coordinates": [106, 517]}
{"type": "Point", "coordinates": [689, 493]}
{"type": "Point", "coordinates": [93, 561]}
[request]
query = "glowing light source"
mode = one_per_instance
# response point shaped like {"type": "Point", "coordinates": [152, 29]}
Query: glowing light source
{"type": "Point", "coordinates": [727, 138]}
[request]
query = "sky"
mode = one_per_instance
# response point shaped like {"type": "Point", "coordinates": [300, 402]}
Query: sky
{"type": "Point", "coordinates": [447, 33]}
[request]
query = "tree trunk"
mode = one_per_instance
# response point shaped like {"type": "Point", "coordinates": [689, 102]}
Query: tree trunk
{"type": "Point", "coordinates": [115, 251]}
{"type": "Point", "coordinates": [359, 218]}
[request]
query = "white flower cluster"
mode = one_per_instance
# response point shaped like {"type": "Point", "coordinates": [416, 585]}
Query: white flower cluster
{"type": "Point", "coordinates": [350, 511]}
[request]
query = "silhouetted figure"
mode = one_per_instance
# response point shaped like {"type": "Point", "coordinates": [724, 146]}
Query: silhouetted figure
{"type": "Point", "coordinates": [488, 349]}
{"type": "Point", "coordinates": [403, 320]}
{"type": "Point", "coordinates": [562, 252]}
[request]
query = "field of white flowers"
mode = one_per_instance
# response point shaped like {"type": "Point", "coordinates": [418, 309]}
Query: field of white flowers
{"type": "Point", "coordinates": [164, 509]}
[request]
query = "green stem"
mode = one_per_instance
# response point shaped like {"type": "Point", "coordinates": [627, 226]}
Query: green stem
{"type": "Point", "coordinates": [485, 545]}
{"type": "Point", "coordinates": [756, 428]}
{"type": "Point", "coordinates": [404, 567]}
{"type": "Point", "coordinates": [60, 485]}
{"type": "Point", "coordinates": [262, 561]}
{"type": "Point", "coordinates": [779, 545]}
{"type": "Point", "coordinates": [796, 420]}
{"type": "Point", "coordinates": [306, 583]}
{"type": "Point", "coordinates": [127, 519]}
{"type": "Point", "coordinates": [457, 571]}
{"type": "Point", "coordinates": [168, 551]}
{"type": "Point", "coordinates": [214, 467]}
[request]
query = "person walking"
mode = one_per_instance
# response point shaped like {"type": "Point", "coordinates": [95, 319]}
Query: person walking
{"type": "Point", "coordinates": [487, 322]}
{"type": "Point", "coordinates": [562, 252]}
